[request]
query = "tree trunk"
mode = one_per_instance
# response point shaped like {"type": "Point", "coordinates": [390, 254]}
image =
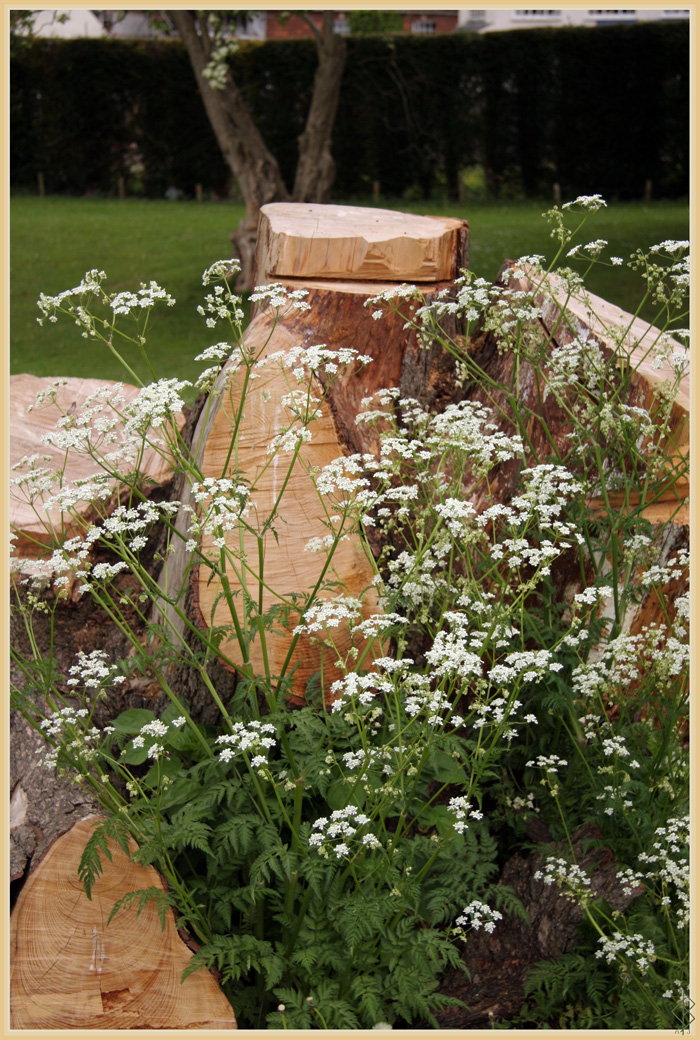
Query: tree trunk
{"type": "Point", "coordinates": [73, 970]}
{"type": "Point", "coordinates": [316, 169]}
{"type": "Point", "coordinates": [248, 157]}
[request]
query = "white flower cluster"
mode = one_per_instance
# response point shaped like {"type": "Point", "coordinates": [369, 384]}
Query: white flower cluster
{"type": "Point", "coordinates": [633, 947]}
{"type": "Point", "coordinates": [221, 270]}
{"type": "Point", "coordinates": [133, 523]}
{"type": "Point", "coordinates": [527, 665]}
{"type": "Point", "coordinates": [479, 915]}
{"type": "Point", "coordinates": [156, 729]}
{"type": "Point", "coordinates": [592, 595]}
{"type": "Point", "coordinates": [223, 505]}
{"type": "Point", "coordinates": [280, 298]}
{"type": "Point", "coordinates": [671, 865]}
{"type": "Point", "coordinates": [469, 299]}
{"type": "Point", "coordinates": [91, 285]}
{"type": "Point", "coordinates": [155, 405]}
{"type": "Point", "coordinates": [580, 361]}
{"type": "Point", "coordinates": [591, 250]}
{"type": "Point", "coordinates": [674, 569]}
{"type": "Point", "coordinates": [222, 352]}
{"type": "Point", "coordinates": [363, 758]}
{"type": "Point", "coordinates": [391, 296]}
{"type": "Point", "coordinates": [449, 654]}
{"type": "Point", "coordinates": [550, 763]}
{"type": "Point", "coordinates": [362, 689]}
{"type": "Point", "coordinates": [497, 711]}
{"type": "Point", "coordinates": [300, 361]}
{"type": "Point", "coordinates": [569, 877]}
{"type": "Point", "coordinates": [250, 739]}
{"type": "Point", "coordinates": [147, 296]}
{"type": "Point", "coordinates": [92, 671]}
{"type": "Point", "coordinates": [330, 614]}
{"type": "Point", "coordinates": [334, 835]}
{"type": "Point", "coordinates": [589, 202]}
{"type": "Point", "coordinates": [221, 305]}
{"type": "Point", "coordinates": [216, 70]}
{"type": "Point", "coordinates": [461, 809]}
{"type": "Point", "coordinates": [68, 729]}
{"type": "Point", "coordinates": [628, 658]}
{"type": "Point", "coordinates": [455, 512]}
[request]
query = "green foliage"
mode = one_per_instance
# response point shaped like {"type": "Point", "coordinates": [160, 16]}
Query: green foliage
{"type": "Point", "coordinates": [331, 860]}
{"type": "Point", "coordinates": [366, 23]}
{"type": "Point", "coordinates": [413, 112]}
{"type": "Point", "coordinates": [163, 900]}
{"type": "Point", "coordinates": [90, 867]}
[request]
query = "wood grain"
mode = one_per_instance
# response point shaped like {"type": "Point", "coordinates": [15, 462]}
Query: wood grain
{"type": "Point", "coordinates": [354, 243]}
{"type": "Point", "coordinates": [71, 970]}
{"type": "Point", "coordinates": [35, 527]}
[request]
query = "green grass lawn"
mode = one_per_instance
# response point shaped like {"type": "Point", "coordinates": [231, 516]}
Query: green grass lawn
{"type": "Point", "coordinates": [54, 240]}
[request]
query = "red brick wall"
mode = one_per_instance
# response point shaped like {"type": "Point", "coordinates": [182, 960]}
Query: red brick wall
{"type": "Point", "coordinates": [296, 28]}
{"type": "Point", "coordinates": [293, 28]}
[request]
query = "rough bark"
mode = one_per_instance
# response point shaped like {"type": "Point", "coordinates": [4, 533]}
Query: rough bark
{"type": "Point", "coordinates": [248, 157]}
{"type": "Point", "coordinates": [72, 970]}
{"type": "Point", "coordinates": [498, 963]}
{"type": "Point", "coordinates": [315, 171]}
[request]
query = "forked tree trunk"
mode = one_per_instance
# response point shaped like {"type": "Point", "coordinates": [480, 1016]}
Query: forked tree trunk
{"type": "Point", "coordinates": [244, 150]}
{"type": "Point", "coordinates": [252, 163]}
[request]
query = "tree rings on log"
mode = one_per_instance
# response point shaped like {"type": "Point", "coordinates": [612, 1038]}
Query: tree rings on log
{"type": "Point", "coordinates": [289, 568]}
{"type": "Point", "coordinates": [71, 970]}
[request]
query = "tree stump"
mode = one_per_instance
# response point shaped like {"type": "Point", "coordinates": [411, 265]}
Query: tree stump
{"type": "Point", "coordinates": [331, 252]}
{"type": "Point", "coordinates": [73, 970]}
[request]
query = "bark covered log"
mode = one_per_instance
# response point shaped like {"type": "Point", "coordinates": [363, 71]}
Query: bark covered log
{"type": "Point", "coordinates": [624, 340]}
{"type": "Point", "coordinates": [498, 963]}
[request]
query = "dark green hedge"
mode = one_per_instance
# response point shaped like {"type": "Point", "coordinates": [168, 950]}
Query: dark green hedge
{"type": "Point", "coordinates": [596, 110]}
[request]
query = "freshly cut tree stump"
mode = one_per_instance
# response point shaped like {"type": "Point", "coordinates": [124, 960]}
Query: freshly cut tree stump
{"type": "Point", "coordinates": [34, 527]}
{"type": "Point", "coordinates": [351, 243]}
{"type": "Point", "coordinates": [330, 252]}
{"type": "Point", "coordinates": [71, 970]}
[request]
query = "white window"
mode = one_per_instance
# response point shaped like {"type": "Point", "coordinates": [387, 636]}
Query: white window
{"type": "Point", "coordinates": [341, 25]}
{"type": "Point", "coordinates": [423, 25]}
{"type": "Point", "coordinates": [609, 15]}
{"type": "Point", "coordinates": [539, 15]}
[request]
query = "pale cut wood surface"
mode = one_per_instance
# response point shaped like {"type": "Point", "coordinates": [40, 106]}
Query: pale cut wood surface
{"type": "Point", "coordinates": [26, 431]}
{"type": "Point", "coordinates": [354, 243]}
{"type": "Point", "coordinates": [635, 342]}
{"type": "Point", "coordinates": [70, 970]}
{"type": "Point", "coordinates": [288, 566]}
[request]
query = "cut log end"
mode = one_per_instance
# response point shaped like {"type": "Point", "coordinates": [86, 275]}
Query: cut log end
{"type": "Point", "coordinates": [71, 970]}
